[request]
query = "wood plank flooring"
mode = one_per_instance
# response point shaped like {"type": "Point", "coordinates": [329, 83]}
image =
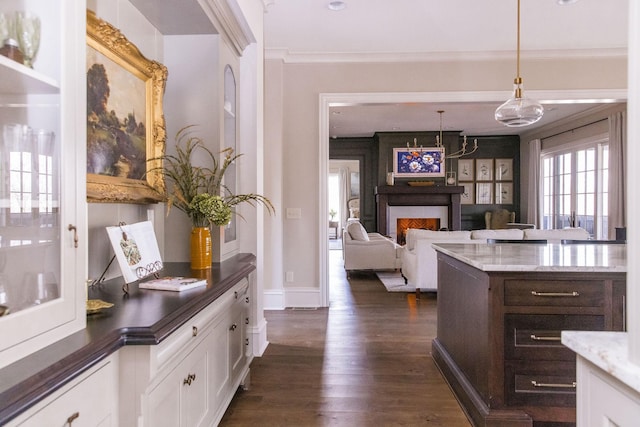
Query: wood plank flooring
{"type": "Point", "coordinates": [365, 361]}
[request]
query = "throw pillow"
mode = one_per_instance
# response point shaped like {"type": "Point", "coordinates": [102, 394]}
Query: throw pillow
{"type": "Point", "coordinates": [357, 232]}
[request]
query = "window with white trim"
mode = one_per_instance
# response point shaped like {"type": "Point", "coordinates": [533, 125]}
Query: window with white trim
{"type": "Point", "coordinates": [575, 182]}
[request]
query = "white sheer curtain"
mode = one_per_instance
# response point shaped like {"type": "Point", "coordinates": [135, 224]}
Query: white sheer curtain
{"type": "Point", "coordinates": [617, 171]}
{"type": "Point", "coordinates": [344, 194]}
{"type": "Point", "coordinates": [533, 213]}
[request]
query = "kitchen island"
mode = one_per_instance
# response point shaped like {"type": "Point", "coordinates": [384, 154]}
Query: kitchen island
{"type": "Point", "coordinates": [501, 309]}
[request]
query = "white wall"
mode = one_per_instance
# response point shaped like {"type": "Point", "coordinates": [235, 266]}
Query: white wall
{"type": "Point", "coordinates": [292, 112]}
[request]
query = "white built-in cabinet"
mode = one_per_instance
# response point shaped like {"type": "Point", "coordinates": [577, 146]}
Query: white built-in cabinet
{"type": "Point", "coordinates": [90, 400]}
{"type": "Point", "coordinates": [42, 188]}
{"type": "Point", "coordinates": [190, 378]}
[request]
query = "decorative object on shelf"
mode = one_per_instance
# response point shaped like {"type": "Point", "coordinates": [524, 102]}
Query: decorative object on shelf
{"type": "Point", "coordinates": [28, 34]}
{"type": "Point", "coordinates": [421, 183]}
{"type": "Point", "coordinates": [95, 306]}
{"type": "Point", "coordinates": [201, 248]}
{"type": "Point", "coordinates": [199, 191]}
{"type": "Point", "coordinates": [451, 178]}
{"type": "Point", "coordinates": [418, 162]}
{"type": "Point", "coordinates": [390, 178]}
{"type": "Point", "coordinates": [519, 110]}
{"type": "Point", "coordinates": [120, 144]}
{"type": "Point", "coordinates": [11, 50]}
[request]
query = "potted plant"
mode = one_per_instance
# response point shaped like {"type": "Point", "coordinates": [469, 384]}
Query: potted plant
{"type": "Point", "coordinates": [332, 214]}
{"type": "Point", "coordinates": [199, 191]}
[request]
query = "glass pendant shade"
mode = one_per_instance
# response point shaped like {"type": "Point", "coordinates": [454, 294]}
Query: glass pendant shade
{"type": "Point", "coordinates": [518, 110]}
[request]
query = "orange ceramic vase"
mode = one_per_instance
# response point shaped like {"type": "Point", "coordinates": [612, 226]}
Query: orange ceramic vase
{"type": "Point", "coordinates": [201, 249]}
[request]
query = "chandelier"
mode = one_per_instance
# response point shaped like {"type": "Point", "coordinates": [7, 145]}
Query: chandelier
{"type": "Point", "coordinates": [518, 110]}
{"type": "Point", "coordinates": [460, 153]}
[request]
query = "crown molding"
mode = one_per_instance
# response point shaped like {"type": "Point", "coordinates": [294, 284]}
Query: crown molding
{"type": "Point", "coordinates": [288, 56]}
{"type": "Point", "coordinates": [228, 19]}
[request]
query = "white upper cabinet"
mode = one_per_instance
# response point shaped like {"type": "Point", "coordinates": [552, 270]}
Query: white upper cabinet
{"type": "Point", "coordinates": [43, 242]}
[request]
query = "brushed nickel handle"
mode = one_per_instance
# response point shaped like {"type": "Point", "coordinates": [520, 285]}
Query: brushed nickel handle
{"type": "Point", "coordinates": [246, 320]}
{"type": "Point", "coordinates": [553, 385]}
{"type": "Point", "coordinates": [73, 228]}
{"type": "Point", "coordinates": [233, 327]}
{"type": "Point", "coordinates": [73, 417]}
{"type": "Point", "coordinates": [194, 331]}
{"type": "Point", "coordinates": [190, 378]}
{"type": "Point", "coordinates": [555, 294]}
{"type": "Point", "coordinates": [537, 338]}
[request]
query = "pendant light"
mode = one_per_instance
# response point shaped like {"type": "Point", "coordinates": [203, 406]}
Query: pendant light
{"type": "Point", "coordinates": [518, 110]}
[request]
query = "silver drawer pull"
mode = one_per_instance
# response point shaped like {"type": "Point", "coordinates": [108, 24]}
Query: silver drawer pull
{"type": "Point", "coordinates": [553, 385]}
{"type": "Point", "coordinates": [537, 338]}
{"type": "Point", "coordinates": [555, 294]}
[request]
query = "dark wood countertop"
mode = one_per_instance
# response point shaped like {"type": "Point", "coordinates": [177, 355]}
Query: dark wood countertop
{"type": "Point", "coordinates": [141, 317]}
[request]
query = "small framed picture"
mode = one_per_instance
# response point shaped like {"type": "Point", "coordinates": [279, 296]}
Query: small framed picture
{"type": "Point", "coordinates": [465, 170]}
{"type": "Point", "coordinates": [484, 169]}
{"type": "Point", "coordinates": [504, 193]}
{"type": "Point", "coordinates": [484, 193]}
{"type": "Point", "coordinates": [468, 195]}
{"type": "Point", "coordinates": [504, 170]}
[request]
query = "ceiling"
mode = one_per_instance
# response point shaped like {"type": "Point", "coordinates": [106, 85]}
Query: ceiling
{"type": "Point", "coordinates": [377, 30]}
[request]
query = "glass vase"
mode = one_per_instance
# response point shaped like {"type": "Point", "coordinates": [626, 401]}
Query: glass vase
{"type": "Point", "coordinates": [201, 248]}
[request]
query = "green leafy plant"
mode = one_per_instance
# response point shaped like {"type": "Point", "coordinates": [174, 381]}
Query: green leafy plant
{"type": "Point", "coordinates": [199, 191]}
{"type": "Point", "coordinates": [332, 213]}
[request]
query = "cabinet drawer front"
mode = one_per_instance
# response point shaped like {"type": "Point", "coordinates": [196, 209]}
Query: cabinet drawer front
{"type": "Point", "coordinates": [555, 293]}
{"type": "Point", "coordinates": [537, 337]}
{"type": "Point", "coordinates": [550, 383]}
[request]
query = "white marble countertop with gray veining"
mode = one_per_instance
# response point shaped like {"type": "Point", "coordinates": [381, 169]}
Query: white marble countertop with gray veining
{"type": "Point", "coordinates": [607, 350]}
{"type": "Point", "coordinates": [517, 257]}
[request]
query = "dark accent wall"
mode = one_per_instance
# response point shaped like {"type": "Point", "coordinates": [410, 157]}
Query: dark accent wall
{"type": "Point", "coordinates": [365, 151]}
{"type": "Point", "coordinates": [376, 159]}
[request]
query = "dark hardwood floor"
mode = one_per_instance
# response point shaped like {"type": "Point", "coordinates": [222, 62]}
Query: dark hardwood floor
{"type": "Point", "coordinates": [365, 361]}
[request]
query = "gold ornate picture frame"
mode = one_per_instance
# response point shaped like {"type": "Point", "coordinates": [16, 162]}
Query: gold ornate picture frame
{"type": "Point", "coordinates": [125, 120]}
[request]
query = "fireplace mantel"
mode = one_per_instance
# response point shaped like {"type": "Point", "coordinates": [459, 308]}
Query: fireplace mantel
{"type": "Point", "coordinates": [406, 195]}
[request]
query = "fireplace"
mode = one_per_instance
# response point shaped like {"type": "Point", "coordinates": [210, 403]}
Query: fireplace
{"type": "Point", "coordinates": [402, 224]}
{"type": "Point", "coordinates": [445, 199]}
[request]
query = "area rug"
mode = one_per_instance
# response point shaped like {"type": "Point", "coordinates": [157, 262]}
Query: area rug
{"type": "Point", "coordinates": [394, 282]}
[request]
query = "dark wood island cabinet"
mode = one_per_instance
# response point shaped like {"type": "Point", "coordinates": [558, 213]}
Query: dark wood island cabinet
{"type": "Point", "coordinates": [501, 309]}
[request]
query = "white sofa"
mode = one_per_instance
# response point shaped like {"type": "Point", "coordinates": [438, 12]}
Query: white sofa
{"type": "Point", "coordinates": [369, 251]}
{"type": "Point", "coordinates": [419, 260]}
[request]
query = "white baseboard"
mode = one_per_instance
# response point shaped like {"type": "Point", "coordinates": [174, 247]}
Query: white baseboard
{"type": "Point", "coordinates": [258, 340]}
{"type": "Point", "coordinates": [294, 297]}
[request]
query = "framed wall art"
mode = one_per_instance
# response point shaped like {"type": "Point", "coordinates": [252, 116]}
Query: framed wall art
{"type": "Point", "coordinates": [484, 169]}
{"type": "Point", "coordinates": [418, 163]}
{"type": "Point", "coordinates": [484, 193]}
{"type": "Point", "coordinates": [504, 169]}
{"type": "Point", "coordinates": [125, 122]}
{"type": "Point", "coordinates": [465, 170]}
{"type": "Point", "coordinates": [468, 195]}
{"type": "Point", "coordinates": [504, 193]}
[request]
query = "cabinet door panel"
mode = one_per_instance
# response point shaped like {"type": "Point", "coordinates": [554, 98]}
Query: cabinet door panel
{"type": "Point", "coordinates": [88, 404]}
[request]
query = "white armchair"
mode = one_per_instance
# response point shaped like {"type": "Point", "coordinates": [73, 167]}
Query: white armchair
{"type": "Point", "coordinates": [369, 251]}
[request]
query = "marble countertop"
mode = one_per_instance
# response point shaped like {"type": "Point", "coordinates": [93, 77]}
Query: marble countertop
{"type": "Point", "coordinates": [607, 350]}
{"type": "Point", "coordinates": [538, 257]}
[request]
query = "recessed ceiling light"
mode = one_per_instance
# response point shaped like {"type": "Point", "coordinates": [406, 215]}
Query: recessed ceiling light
{"type": "Point", "coordinates": [336, 5]}
{"type": "Point", "coordinates": [563, 2]}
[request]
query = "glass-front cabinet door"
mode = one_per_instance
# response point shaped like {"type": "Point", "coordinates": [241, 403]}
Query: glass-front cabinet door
{"type": "Point", "coordinates": [42, 190]}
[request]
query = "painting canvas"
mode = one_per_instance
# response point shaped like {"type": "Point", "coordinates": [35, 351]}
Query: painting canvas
{"type": "Point", "coordinates": [125, 124]}
{"type": "Point", "coordinates": [418, 162]}
{"type": "Point", "coordinates": [116, 122]}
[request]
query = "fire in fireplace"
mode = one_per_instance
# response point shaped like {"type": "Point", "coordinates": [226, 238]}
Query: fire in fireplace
{"type": "Point", "coordinates": [402, 224]}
